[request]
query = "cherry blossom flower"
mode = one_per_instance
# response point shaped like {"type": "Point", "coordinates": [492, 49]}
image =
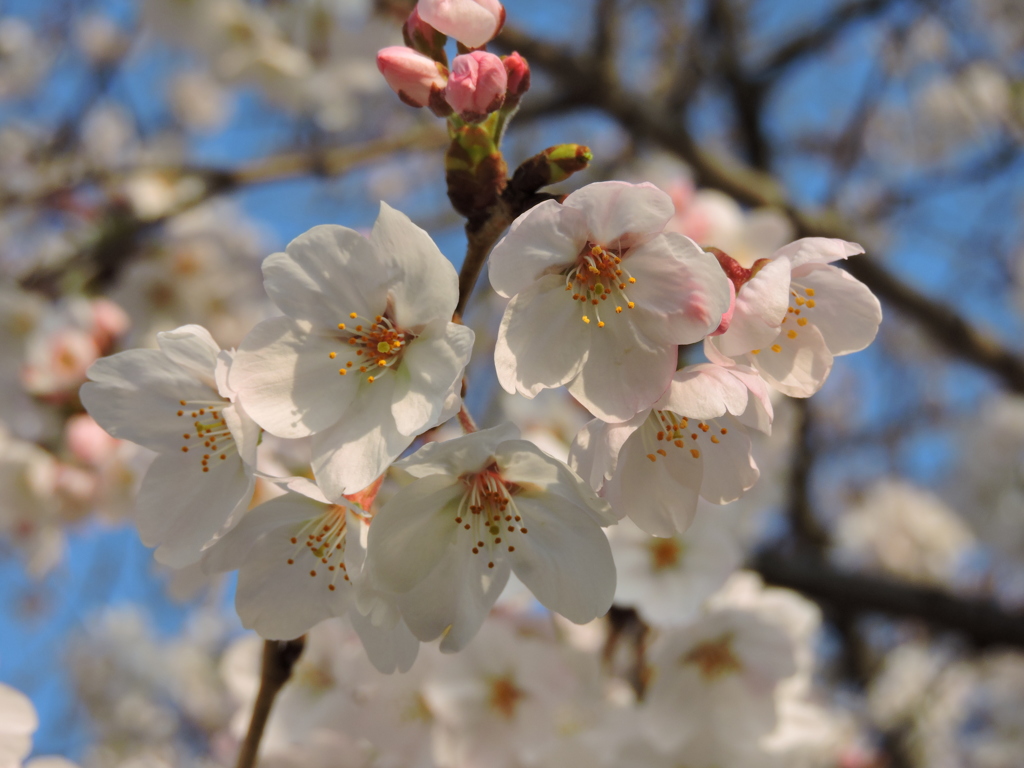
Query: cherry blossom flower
{"type": "Point", "coordinates": [601, 297]}
{"type": "Point", "coordinates": [691, 443]}
{"type": "Point", "coordinates": [482, 506]}
{"type": "Point", "coordinates": [176, 401]}
{"type": "Point", "coordinates": [668, 579]}
{"type": "Point", "coordinates": [830, 313]}
{"type": "Point", "coordinates": [724, 666]}
{"type": "Point", "coordinates": [508, 699]}
{"type": "Point", "coordinates": [366, 357]}
{"type": "Point", "coordinates": [299, 560]}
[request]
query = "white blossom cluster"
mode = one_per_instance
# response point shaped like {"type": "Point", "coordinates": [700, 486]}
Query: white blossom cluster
{"type": "Point", "coordinates": [365, 358]}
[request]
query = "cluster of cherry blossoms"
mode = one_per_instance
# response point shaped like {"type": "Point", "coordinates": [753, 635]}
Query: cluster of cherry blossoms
{"type": "Point", "coordinates": [365, 359]}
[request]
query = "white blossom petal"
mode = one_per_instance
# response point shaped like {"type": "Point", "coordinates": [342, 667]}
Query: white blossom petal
{"type": "Point", "coordinates": [845, 311]}
{"type": "Point", "coordinates": [622, 215]}
{"type": "Point", "coordinates": [287, 381]}
{"type": "Point", "coordinates": [431, 365]}
{"type": "Point", "coordinates": [545, 239]}
{"type": "Point", "coordinates": [542, 341]}
{"type": "Point", "coordinates": [327, 273]}
{"type": "Point", "coordinates": [181, 508]}
{"type": "Point", "coordinates": [819, 250]}
{"type": "Point", "coordinates": [620, 376]}
{"type": "Point", "coordinates": [423, 287]}
{"type": "Point", "coordinates": [564, 559]}
{"type": "Point", "coordinates": [355, 451]}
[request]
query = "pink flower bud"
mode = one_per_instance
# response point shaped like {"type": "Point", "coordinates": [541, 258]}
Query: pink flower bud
{"type": "Point", "coordinates": [477, 85]}
{"type": "Point", "coordinates": [518, 72]}
{"type": "Point", "coordinates": [417, 79]}
{"type": "Point", "coordinates": [472, 22]}
{"type": "Point", "coordinates": [422, 37]}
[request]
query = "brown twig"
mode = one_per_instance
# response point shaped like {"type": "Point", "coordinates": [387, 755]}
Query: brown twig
{"type": "Point", "coordinates": [279, 657]}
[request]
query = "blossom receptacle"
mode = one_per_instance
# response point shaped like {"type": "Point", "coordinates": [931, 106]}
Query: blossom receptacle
{"type": "Point", "coordinates": [418, 80]}
{"type": "Point", "coordinates": [472, 22]}
{"type": "Point", "coordinates": [476, 86]}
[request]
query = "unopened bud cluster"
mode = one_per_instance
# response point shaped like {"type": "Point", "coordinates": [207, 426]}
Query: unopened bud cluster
{"type": "Point", "coordinates": [477, 83]}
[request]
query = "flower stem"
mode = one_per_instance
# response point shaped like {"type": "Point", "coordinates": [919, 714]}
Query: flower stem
{"type": "Point", "coordinates": [279, 656]}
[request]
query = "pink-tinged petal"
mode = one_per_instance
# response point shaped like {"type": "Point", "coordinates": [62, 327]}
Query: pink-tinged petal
{"type": "Point", "coordinates": [413, 533]}
{"type": "Point", "coordinates": [820, 250]}
{"type": "Point", "coordinates": [430, 366]}
{"type": "Point", "coordinates": [454, 599]}
{"type": "Point", "coordinates": [355, 451]}
{"type": "Point", "coordinates": [181, 508]}
{"type": "Point", "coordinates": [842, 307]}
{"type": "Point", "coordinates": [281, 600]}
{"type": "Point", "coordinates": [388, 649]}
{"type": "Point", "coordinates": [704, 391]}
{"type": "Point", "coordinates": [286, 380]}
{"type": "Point", "coordinates": [680, 292]}
{"type": "Point", "coordinates": [760, 306]}
{"type": "Point", "coordinates": [729, 470]}
{"type": "Point", "coordinates": [659, 495]}
{"type": "Point", "coordinates": [467, 453]}
{"type": "Point", "coordinates": [545, 239]}
{"type": "Point", "coordinates": [621, 376]}
{"type": "Point", "coordinates": [327, 273]}
{"type": "Point", "coordinates": [622, 215]}
{"type": "Point", "coordinates": [135, 395]}
{"type": "Point", "coordinates": [244, 431]}
{"type": "Point", "coordinates": [471, 22]}
{"type": "Point", "coordinates": [542, 340]}
{"type": "Point", "coordinates": [564, 559]}
{"type": "Point", "coordinates": [799, 366]}
{"type": "Point", "coordinates": [595, 450]}
{"type": "Point", "coordinates": [424, 287]}
{"type": "Point", "coordinates": [521, 462]}
{"type": "Point", "coordinates": [193, 348]}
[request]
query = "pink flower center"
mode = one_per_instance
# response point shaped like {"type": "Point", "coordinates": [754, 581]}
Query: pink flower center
{"type": "Point", "coordinates": [373, 347]}
{"type": "Point", "coordinates": [597, 276]}
{"type": "Point", "coordinates": [207, 433]}
{"type": "Point", "coordinates": [488, 511]}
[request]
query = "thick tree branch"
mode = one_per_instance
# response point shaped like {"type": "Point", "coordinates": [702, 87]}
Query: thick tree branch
{"type": "Point", "coordinates": [983, 622]}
